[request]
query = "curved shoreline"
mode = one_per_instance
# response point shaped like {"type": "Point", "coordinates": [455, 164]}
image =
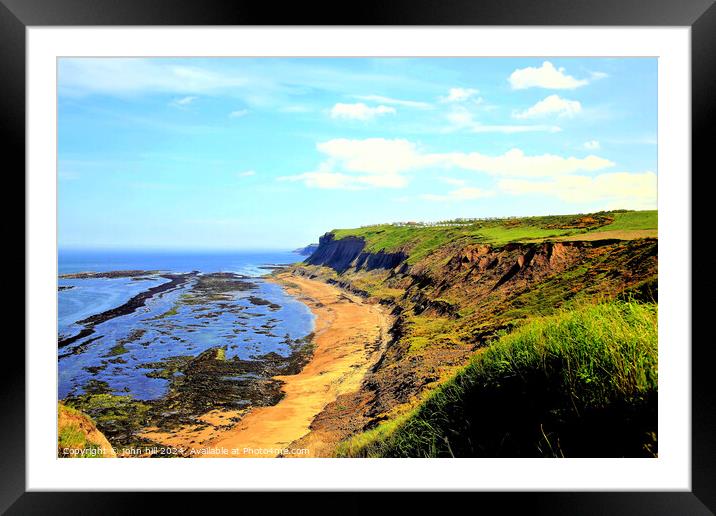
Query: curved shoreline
{"type": "Point", "coordinates": [349, 336]}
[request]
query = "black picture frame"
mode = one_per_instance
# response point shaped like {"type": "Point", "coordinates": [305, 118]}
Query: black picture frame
{"type": "Point", "coordinates": [700, 15]}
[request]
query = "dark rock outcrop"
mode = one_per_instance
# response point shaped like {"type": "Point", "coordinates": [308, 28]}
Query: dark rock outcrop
{"type": "Point", "coordinates": [379, 260]}
{"type": "Point", "coordinates": [347, 252]}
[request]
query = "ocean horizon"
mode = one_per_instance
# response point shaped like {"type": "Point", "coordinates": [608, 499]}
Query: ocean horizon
{"type": "Point", "coordinates": [241, 261]}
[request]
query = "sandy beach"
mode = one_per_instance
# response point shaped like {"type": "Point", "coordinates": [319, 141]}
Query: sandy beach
{"type": "Point", "coordinates": [348, 337]}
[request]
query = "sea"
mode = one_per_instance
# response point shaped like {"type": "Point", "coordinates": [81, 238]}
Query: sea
{"type": "Point", "coordinates": [121, 349]}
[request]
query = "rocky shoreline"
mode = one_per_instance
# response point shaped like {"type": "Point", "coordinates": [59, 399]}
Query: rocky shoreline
{"type": "Point", "coordinates": [207, 382]}
{"type": "Point", "coordinates": [109, 274]}
{"type": "Point", "coordinates": [175, 281]}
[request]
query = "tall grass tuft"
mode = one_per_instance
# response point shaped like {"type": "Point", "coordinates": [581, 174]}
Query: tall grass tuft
{"type": "Point", "coordinates": [579, 383]}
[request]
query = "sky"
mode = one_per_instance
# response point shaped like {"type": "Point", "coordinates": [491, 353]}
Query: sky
{"type": "Point", "coordinates": [270, 153]}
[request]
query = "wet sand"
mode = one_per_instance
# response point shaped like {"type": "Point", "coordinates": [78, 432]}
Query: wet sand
{"type": "Point", "coordinates": [349, 335]}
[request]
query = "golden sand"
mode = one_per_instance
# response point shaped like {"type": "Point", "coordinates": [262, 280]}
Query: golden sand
{"type": "Point", "coordinates": [347, 342]}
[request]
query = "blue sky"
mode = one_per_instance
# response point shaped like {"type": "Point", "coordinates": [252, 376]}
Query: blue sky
{"type": "Point", "coordinates": [271, 153]}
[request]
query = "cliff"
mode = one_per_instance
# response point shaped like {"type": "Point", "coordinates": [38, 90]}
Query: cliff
{"type": "Point", "coordinates": [306, 251]}
{"type": "Point", "coordinates": [348, 252]}
{"type": "Point", "coordinates": [454, 290]}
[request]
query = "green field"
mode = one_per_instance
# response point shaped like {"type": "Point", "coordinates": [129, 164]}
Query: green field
{"type": "Point", "coordinates": [633, 220]}
{"type": "Point", "coordinates": [419, 240]}
{"type": "Point", "coordinates": [578, 383]}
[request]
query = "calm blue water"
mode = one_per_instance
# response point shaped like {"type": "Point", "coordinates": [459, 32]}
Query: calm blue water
{"type": "Point", "coordinates": [242, 262]}
{"type": "Point", "coordinates": [245, 329]}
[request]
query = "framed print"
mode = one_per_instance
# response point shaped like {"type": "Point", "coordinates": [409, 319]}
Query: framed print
{"type": "Point", "coordinates": [417, 253]}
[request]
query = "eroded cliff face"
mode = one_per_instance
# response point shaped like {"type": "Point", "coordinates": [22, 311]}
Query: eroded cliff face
{"type": "Point", "coordinates": [453, 303]}
{"type": "Point", "coordinates": [449, 311]}
{"type": "Point", "coordinates": [532, 276]}
{"type": "Point", "coordinates": [346, 253]}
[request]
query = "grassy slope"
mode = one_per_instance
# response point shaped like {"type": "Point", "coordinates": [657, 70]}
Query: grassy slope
{"type": "Point", "coordinates": [582, 382]}
{"type": "Point", "coordinates": [420, 241]}
{"type": "Point", "coordinates": [76, 431]}
{"type": "Point", "coordinates": [633, 220]}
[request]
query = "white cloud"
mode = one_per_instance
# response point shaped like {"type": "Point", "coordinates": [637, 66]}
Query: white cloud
{"type": "Point", "coordinates": [373, 155]}
{"type": "Point", "coordinates": [383, 163]}
{"type": "Point", "coordinates": [461, 194]}
{"type": "Point", "coordinates": [459, 94]}
{"type": "Point", "coordinates": [131, 76]}
{"type": "Point", "coordinates": [599, 75]}
{"type": "Point", "coordinates": [247, 173]}
{"type": "Point", "coordinates": [463, 119]}
{"type": "Point", "coordinates": [592, 145]}
{"type": "Point", "coordinates": [511, 129]}
{"type": "Point", "coordinates": [546, 76]}
{"type": "Point", "coordinates": [183, 101]}
{"type": "Point", "coordinates": [262, 84]}
{"type": "Point", "coordinates": [516, 164]}
{"type": "Point", "coordinates": [605, 191]}
{"type": "Point", "coordinates": [453, 181]}
{"type": "Point", "coordinates": [394, 102]}
{"type": "Point", "coordinates": [238, 113]}
{"type": "Point", "coordinates": [369, 163]}
{"type": "Point", "coordinates": [552, 105]}
{"type": "Point", "coordinates": [359, 111]}
{"type": "Point", "coordinates": [338, 181]}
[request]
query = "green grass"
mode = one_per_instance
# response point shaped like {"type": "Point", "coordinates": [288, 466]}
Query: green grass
{"type": "Point", "coordinates": [578, 380]}
{"type": "Point", "coordinates": [427, 331]}
{"type": "Point", "coordinates": [556, 291]}
{"type": "Point", "coordinates": [420, 241]}
{"type": "Point", "coordinates": [633, 220]}
{"type": "Point", "coordinates": [71, 437]}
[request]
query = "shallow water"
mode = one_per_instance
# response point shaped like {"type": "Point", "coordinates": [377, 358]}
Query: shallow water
{"type": "Point", "coordinates": [94, 295]}
{"type": "Point", "coordinates": [164, 328]}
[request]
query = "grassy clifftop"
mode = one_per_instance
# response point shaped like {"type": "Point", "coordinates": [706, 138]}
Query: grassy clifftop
{"type": "Point", "coordinates": [579, 383]}
{"type": "Point", "coordinates": [419, 240]}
